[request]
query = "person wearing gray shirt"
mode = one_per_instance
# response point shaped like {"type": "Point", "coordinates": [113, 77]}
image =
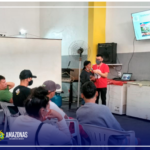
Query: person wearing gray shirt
{"type": "Point", "coordinates": [95, 114]}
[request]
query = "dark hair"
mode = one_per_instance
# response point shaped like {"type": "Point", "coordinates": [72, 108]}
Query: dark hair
{"type": "Point", "coordinates": [2, 77]}
{"type": "Point", "coordinates": [86, 63]}
{"type": "Point", "coordinates": [99, 55]}
{"type": "Point", "coordinates": [36, 100]}
{"type": "Point", "coordinates": [88, 89]}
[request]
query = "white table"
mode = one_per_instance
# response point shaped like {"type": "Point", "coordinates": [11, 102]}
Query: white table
{"type": "Point", "coordinates": [138, 99]}
{"type": "Point", "coordinates": [116, 98]}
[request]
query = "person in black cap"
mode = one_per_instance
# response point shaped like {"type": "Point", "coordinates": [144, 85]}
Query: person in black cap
{"type": "Point", "coordinates": [86, 74]}
{"type": "Point", "coordinates": [21, 92]}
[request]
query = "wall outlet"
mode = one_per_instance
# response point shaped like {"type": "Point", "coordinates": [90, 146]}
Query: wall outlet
{"type": "Point", "coordinates": [119, 74]}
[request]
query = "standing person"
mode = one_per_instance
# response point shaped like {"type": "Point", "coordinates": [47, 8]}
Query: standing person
{"type": "Point", "coordinates": [101, 71]}
{"type": "Point", "coordinates": [86, 75]}
{"type": "Point", "coordinates": [21, 92]}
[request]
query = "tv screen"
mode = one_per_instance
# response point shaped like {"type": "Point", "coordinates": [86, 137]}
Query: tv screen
{"type": "Point", "coordinates": [141, 23]}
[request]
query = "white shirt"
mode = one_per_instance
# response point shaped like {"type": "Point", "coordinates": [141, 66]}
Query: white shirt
{"type": "Point", "coordinates": [56, 108]}
{"type": "Point", "coordinates": [48, 133]}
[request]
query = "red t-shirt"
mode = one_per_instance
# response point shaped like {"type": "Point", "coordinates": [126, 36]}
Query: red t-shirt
{"type": "Point", "coordinates": [101, 82]}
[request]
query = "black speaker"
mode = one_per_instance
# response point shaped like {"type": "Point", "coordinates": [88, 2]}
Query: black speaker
{"type": "Point", "coordinates": [109, 52]}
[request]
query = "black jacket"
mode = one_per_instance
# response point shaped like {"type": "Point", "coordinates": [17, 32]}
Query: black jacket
{"type": "Point", "coordinates": [85, 76]}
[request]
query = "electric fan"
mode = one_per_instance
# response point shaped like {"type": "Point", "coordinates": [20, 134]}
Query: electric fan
{"type": "Point", "coordinates": [76, 50]}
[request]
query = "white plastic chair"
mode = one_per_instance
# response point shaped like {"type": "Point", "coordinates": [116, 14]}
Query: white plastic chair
{"type": "Point", "coordinates": [68, 121]}
{"type": "Point", "coordinates": [100, 135]}
{"type": "Point", "coordinates": [8, 115]}
{"type": "Point", "coordinates": [1, 116]}
{"type": "Point", "coordinates": [22, 110]}
{"type": "Point", "coordinates": [76, 129]}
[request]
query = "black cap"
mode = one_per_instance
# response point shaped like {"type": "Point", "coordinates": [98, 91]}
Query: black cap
{"type": "Point", "coordinates": [24, 74]}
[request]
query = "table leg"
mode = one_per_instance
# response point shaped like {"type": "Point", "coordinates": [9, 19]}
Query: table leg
{"type": "Point", "coordinates": [70, 95]}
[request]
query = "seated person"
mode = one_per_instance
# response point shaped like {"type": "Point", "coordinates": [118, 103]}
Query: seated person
{"type": "Point", "coordinates": [38, 109]}
{"type": "Point", "coordinates": [98, 115]}
{"type": "Point", "coordinates": [51, 87]}
{"type": "Point", "coordinates": [5, 94]}
{"type": "Point", "coordinates": [21, 92]}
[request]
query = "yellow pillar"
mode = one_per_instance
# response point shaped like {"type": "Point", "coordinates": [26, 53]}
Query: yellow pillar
{"type": "Point", "coordinates": [96, 28]}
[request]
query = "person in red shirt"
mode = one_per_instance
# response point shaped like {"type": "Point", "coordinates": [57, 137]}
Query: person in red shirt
{"type": "Point", "coordinates": [101, 71]}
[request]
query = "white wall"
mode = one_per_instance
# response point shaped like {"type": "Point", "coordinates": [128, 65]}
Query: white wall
{"type": "Point", "coordinates": [32, 54]}
{"type": "Point", "coordinates": [68, 24]}
{"type": "Point", "coordinates": [13, 19]}
{"type": "Point", "coordinates": [119, 27]}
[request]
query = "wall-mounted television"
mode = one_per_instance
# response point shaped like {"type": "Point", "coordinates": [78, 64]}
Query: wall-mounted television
{"type": "Point", "coordinates": [141, 24]}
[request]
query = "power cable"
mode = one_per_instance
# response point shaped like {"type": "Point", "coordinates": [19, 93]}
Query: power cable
{"type": "Point", "coordinates": [131, 55]}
